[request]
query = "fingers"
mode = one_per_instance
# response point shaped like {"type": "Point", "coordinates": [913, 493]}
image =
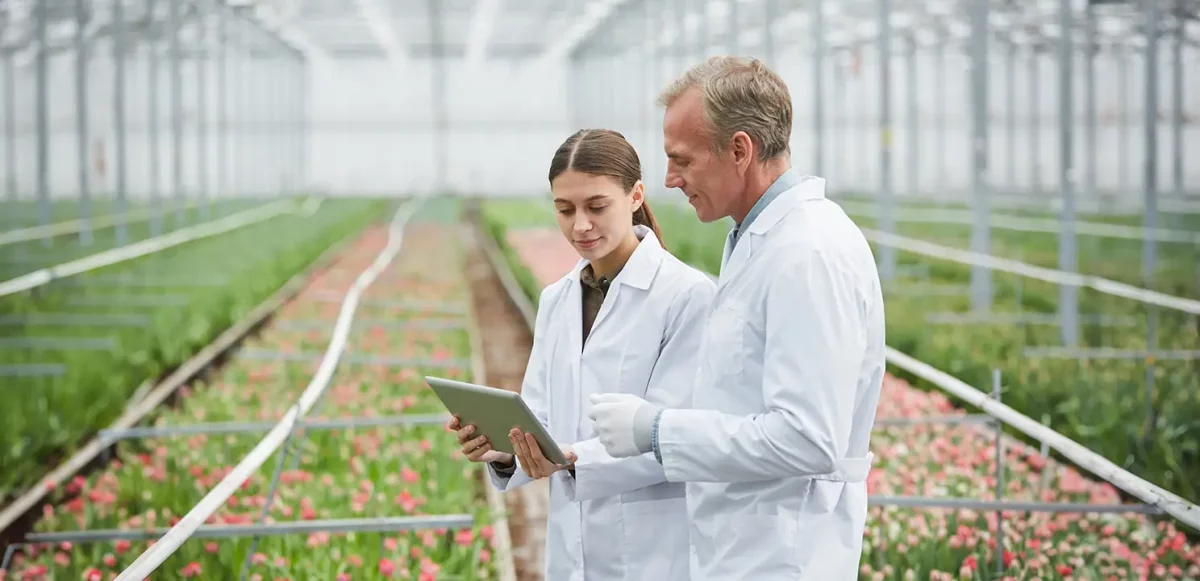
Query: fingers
{"type": "Point", "coordinates": [535, 451]}
{"type": "Point", "coordinates": [452, 424]}
{"type": "Point", "coordinates": [532, 466]}
{"type": "Point", "coordinates": [465, 433]}
{"type": "Point", "coordinates": [478, 448]}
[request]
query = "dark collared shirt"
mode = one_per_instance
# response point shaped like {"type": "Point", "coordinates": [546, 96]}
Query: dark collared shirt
{"type": "Point", "coordinates": [594, 291]}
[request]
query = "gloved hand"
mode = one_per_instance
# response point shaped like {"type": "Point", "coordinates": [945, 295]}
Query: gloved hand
{"type": "Point", "coordinates": [615, 417]}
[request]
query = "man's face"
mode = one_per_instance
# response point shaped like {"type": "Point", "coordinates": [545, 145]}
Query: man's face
{"type": "Point", "coordinates": [711, 181]}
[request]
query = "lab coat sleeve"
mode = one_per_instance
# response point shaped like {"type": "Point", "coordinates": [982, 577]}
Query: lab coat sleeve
{"type": "Point", "coordinates": [670, 386]}
{"type": "Point", "coordinates": [813, 349]}
{"type": "Point", "coordinates": [533, 388]}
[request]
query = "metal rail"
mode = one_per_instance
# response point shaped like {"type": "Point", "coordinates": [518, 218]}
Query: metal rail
{"type": "Point", "coordinates": [211, 428]}
{"type": "Point", "coordinates": [145, 247]}
{"type": "Point", "coordinates": [255, 354]}
{"type": "Point", "coordinates": [1104, 285]}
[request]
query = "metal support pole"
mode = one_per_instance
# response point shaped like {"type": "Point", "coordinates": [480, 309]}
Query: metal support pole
{"type": "Point", "coordinates": [888, 217]}
{"type": "Point", "coordinates": [120, 151]}
{"type": "Point", "coordinates": [302, 115]}
{"type": "Point", "coordinates": [81, 119]}
{"type": "Point", "coordinates": [1150, 175]}
{"type": "Point", "coordinates": [174, 21]}
{"type": "Point", "coordinates": [42, 117]}
{"type": "Point", "coordinates": [732, 27]}
{"type": "Point", "coordinates": [914, 132]}
{"type": "Point", "coordinates": [840, 121]}
{"type": "Point", "coordinates": [1010, 88]}
{"type": "Point", "coordinates": [1177, 100]}
{"type": "Point", "coordinates": [153, 110]}
{"type": "Point", "coordinates": [202, 61]}
{"type": "Point", "coordinates": [817, 32]}
{"type": "Point", "coordinates": [10, 129]}
{"type": "Point", "coordinates": [771, 12]}
{"type": "Point", "coordinates": [1089, 102]}
{"type": "Point", "coordinates": [438, 66]}
{"type": "Point", "coordinates": [1123, 120]}
{"type": "Point", "coordinates": [1068, 295]}
{"type": "Point", "coordinates": [1035, 134]}
{"type": "Point", "coordinates": [940, 85]}
{"type": "Point", "coordinates": [222, 137]}
{"type": "Point", "coordinates": [996, 394]}
{"type": "Point", "coordinates": [981, 277]}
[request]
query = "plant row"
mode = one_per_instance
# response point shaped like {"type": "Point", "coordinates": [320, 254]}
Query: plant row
{"type": "Point", "coordinates": [139, 319]}
{"type": "Point", "coordinates": [341, 473]}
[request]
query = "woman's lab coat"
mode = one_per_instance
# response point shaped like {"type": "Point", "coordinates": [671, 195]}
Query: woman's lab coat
{"type": "Point", "coordinates": [616, 518]}
{"type": "Point", "coordinates": [776, 451]}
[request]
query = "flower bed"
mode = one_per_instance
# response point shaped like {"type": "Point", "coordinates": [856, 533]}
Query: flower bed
{"type": "Point", "coordinates": [363, 472]}
{"type": "Point", "coordinates": [249, 264]}
{"type": "Point", "coordinates": [958, 461]}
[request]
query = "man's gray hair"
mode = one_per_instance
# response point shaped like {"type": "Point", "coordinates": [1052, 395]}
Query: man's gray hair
{"type": "Point", "coordinates": [739, 94]}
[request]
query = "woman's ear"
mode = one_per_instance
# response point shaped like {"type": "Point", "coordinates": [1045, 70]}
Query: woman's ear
{"type": "Point", "coordinates": [638, 194]}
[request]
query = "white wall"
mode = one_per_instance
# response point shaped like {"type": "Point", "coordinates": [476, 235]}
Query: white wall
{"type": "Point", "coordinates": [373, 128]}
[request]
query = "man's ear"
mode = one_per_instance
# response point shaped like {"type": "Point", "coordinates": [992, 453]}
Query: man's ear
{"type": "Point", "coordinates": [742, 149]}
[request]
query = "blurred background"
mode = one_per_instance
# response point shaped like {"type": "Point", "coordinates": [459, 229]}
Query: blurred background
{"type": "Point", "coordinates": [1027, 171]}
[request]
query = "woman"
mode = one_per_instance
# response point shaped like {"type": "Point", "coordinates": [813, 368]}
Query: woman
{"type": "Point", "coordinates": [628, 318]}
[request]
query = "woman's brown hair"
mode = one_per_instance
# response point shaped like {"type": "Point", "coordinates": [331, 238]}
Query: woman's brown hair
{"type": "Point", "coordinates": [604, 152]}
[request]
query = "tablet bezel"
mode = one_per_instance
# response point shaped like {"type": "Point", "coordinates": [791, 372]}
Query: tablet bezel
{"type": "Point", "coordinates": [494, 412]}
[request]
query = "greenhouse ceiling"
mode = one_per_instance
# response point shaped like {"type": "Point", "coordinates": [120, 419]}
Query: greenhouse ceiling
{"type": "Point", "coordinates": [482, 30]}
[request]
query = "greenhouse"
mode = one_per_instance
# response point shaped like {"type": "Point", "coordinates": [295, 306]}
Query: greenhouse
{"type": "Point", "coordinates": [366, 195]}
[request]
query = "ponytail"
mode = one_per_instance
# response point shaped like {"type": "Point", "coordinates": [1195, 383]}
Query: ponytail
{"type": "Point", "coordinates": [644, 217]}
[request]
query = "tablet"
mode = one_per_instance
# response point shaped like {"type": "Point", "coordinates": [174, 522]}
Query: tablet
{"type": "Point", "coordinates": [494, 412]}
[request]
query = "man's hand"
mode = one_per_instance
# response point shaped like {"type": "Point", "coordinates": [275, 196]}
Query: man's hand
{"type": "Point", "coordinates": [476, 449]}
{"type": "Point", "coordinates": [531, 459]}
{"type": "Point", "coordinates": [614, 416]}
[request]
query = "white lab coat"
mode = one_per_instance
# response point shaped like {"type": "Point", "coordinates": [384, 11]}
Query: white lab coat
{"type": "Point", "coordinates": [616, 518]}
{"type": "Point", "coordinates": [776, 452]}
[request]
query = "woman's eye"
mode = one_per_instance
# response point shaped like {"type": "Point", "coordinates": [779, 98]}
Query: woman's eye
{"type": "Point", "coordinates": [564, 211]}
{"type": "Point", "coordinates": [598, 208]}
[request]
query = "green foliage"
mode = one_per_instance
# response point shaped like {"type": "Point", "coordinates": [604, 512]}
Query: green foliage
{"type": "Point", "coordinates": [48, 417]}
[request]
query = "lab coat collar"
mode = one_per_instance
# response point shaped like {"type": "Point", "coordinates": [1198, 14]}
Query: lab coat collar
{"type": "Point", "coordinates": [808, 188]}
{"type": "Point", "coordinates": [642, 265]}
{"type": "Point", "coordinates": [735, 256]}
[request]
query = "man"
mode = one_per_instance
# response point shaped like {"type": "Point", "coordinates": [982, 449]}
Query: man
{"type": "Point", "coordinates": [775, 450]}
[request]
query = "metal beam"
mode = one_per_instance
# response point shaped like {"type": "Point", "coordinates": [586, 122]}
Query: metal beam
{"type": "Point", "coordinates": [595, 16]}
{"type": "Point", "coordinates": [366, 525]}
{"type": "Point", "coordinates": [479, 35]}
{"type": "Point", "coordinates": [383, 31]}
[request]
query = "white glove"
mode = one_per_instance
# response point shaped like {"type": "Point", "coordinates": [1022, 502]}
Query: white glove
{"type": "Point", "coordinates": [614, 417]}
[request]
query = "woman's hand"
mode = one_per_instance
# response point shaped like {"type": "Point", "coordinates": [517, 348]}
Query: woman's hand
{"type": "Point", "coordinates": [531, 459]}
{"type": "Point", "coordinates": [476, 449]}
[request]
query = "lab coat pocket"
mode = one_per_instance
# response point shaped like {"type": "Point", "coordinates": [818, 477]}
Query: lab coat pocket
{"type": "Point", "coordinates": [724, 352]}
{"type": "Point", "coordinates": [770, 539]}
{"type": "Point", "coordinates": [656, 539]}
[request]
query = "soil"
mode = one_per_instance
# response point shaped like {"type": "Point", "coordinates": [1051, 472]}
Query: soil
{"type": "Point", "coordinates": [506, 344]}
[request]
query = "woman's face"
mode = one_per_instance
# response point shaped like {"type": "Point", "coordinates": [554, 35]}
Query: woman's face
{"type": "Point", "coordinates": [594, 212]}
